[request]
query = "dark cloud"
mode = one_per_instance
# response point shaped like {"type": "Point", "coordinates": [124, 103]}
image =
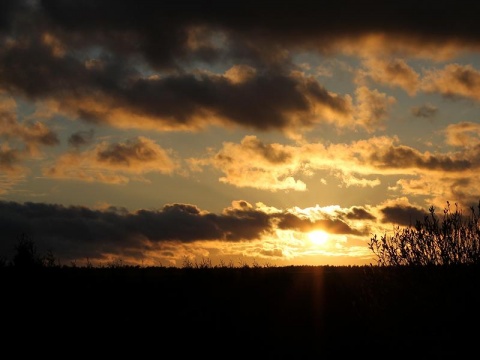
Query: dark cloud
{"type": "Point", "coordinates": [80, 138]}
{"type": "Point", "coordinates": [406, 157]}
{"type": "Point", "coordinates": [336, 226]}
{"type": "Point", "coordinates": [78, 232]}
{"type": "Point", "coordinates": [261, 102]}
{"type": "Point", "coordinates": [242, 204]}
{"type": "Point", "coordinates": [358, 213]}
{"type": "Point", "coordinates": [157, 29]}
{"type": "Point", "coordinates": [290, 221]}
{"type": "Point", "coordinates": [123, 153]}
{"type": "Point", "coordinates": [8, 10]}
{"type": "Point", "coordinates": [38, 133]}
{"type": "Point", "coordinates": [267, 151]}
{"type": "Point", "coordinates": [95, 58]}
{"type": "Point", "coordinates": [246, 222]}
{"type": "Point", "coordinates": [424, 111]}
{"type": "Point", "coordinates": [459, 190]}
{"type": "Point", "coordinates": [99, 93]}
{"type": "Point", "coordinates": [9, 158]}
{"type": "Point", "coordinates": [403, 215]}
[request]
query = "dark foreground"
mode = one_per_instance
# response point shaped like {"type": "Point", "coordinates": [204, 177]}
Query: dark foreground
{"type": "Point", "coordinates": [237, 313]}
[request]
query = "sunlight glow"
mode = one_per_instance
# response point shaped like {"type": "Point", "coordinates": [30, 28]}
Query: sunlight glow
{"type": "Point", "coordinates": [318, 237]}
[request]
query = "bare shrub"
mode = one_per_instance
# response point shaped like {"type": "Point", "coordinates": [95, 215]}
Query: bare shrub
{"type": "Point", "coordinates": [26, 253]}
{"type": "Point", "coordinates": [453, 240]}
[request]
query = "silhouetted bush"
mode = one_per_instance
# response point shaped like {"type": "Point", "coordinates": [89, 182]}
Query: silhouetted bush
{"type": "Point", "coordinates": [454, 240]}
{"type": "Point", "coordinates": [49, 260]}
{"type": "Point", "coordinates": [26, 253]}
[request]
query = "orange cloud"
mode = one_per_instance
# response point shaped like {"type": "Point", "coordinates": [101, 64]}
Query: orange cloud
{"type": "Point", "coordinates": [23, 141]}
{"type": "Point", "coordinates": [454, 80]}
{"type": "Point", "coordinates": [255, 164]}
{"type": "Point", "coordinates": [458, 187]}
{"type": "Point", "coordinates": [31, 134]}
{"type": "Point", "coordinates": [372, 108]}
{"type": "Point", "coordinates": [378, 43]}
{"type": "Point", "coordinates": [12, 171]}
{"type": "Point", "coordinates": [115, 163]}
{"type": "Point", "coordinates": [252, 163]}
{"type": "Point", "coordinates": [240, 73]}
{"type": "Point", "coordinates": [393, 72]}
{"type": "Point", "coordinates": [464, 134]}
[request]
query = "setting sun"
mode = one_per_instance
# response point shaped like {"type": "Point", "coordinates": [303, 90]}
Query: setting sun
{"type": "Point", "coordinates": [318, 237]}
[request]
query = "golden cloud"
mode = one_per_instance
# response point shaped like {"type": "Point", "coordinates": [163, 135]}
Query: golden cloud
{"type": "Point", "coordinates": [453, 80]}
{"type": "Point", "coordinates": [392, 72]}
{"type": "Point", "coordinates": [114, 163]}
{"type": "Point", "coordinates": [464, 134]}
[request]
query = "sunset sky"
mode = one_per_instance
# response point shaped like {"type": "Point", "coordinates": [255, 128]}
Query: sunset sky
{"type": "Point", "coordinates": [273, 132]}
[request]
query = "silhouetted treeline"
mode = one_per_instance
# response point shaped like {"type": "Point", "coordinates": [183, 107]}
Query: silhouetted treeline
{"type": "Point", "coordinates": [273, 312]}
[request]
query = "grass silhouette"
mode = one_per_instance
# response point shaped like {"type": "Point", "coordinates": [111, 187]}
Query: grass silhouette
{"type": "Point", "coordinates": [273, 312]}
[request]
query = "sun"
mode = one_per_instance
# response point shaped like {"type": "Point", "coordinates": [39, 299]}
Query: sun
{"type": "Point", "coordinates": [318, 237]}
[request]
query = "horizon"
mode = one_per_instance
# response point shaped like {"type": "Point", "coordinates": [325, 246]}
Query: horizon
{"type": "Point", "coordinates": [274, 134]}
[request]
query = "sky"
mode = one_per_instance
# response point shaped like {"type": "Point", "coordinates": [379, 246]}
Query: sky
{"type": "Point", "coordinates": [165, 133]}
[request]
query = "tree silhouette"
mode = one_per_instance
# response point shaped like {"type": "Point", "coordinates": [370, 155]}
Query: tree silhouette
{"type": "Point", "coordinates": [26, 253]}
{"type": "Point", "coordinates": [453, 240]}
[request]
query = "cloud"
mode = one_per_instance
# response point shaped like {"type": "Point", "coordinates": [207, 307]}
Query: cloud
{"type": "Point", "coordinates": [22, 141]}
{"type": "Point", "coordinates": [113, 91]}
{"type": "Point", "coordinates": [77, 232]}
{"type": "Point", "coordinates": [140, 74]}
{"type": "Point", "coordinates": [255, 164]}
{"type": "Point", "coordinates": [424, 111]}
{"type": "Point", "coordinates": [458, 187]}
{"type": "Point", "coordinates": [274, 167]}
{"type": "Point", "coordinates": [80, 138]}
{"type": "Point", "coordinates": [238, 74]}
{"type": "Point", "coordinates": [393, 72]}
{"type": "Point", "coordinates": [168, 36]}
{"type": "Point", "coordinates": [454, 80]}
{"type": "Point", "coordinates": [289, 221]}
{"type": "Point", "coordinates": [464, 134]}
{"type": "Point", "coordinates": [31, 134]}
{"type": "Point", "coordinates": [8, 10]}
{"type": "Point", "coordinates": [115, 163]}
{"type": "Point", "coordinates": [403, 215]}
{"type": "Point", "coordinates": [170, 233]}
{"type": "Point", "coordinates": [372, 108]}
{"type": "Point", "coordinates": [383, 155]}
{"type": "Point", "coordinates": [9, 159]}
{"type": "Point", "coordinates": [350, 179]}
{"type": "Point", "coordinates": [359, 213]}
{"type": "Point", "coordinates": [404, 157]}
{"type": "Point", "coordinates": [12, 171]}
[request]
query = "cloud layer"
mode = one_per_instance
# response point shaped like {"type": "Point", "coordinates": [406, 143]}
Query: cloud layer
{"type": "Point", "coordinates": [130, 65]}
{"type": "Point", "coordinates": [79, 233]}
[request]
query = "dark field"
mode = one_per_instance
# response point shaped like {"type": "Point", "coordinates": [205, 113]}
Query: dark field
{"type": "Point", "coordinates": [274, 312]}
